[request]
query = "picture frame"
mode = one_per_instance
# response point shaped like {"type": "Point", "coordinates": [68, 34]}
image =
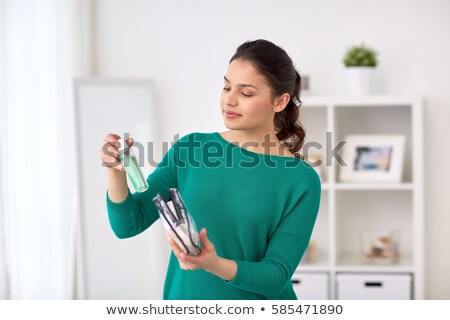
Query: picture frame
{"type": "Point", "coordinates": [373, 158]}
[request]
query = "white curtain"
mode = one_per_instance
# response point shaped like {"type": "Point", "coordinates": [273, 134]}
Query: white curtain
{"type": "Point", "coordinates": [41, 54]}
{"type": "Point", "coordinates": [3, 274]}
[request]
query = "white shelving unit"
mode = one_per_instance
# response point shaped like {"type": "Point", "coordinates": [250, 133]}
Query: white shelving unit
{"type": "Point", "coordinates": [347, 209]}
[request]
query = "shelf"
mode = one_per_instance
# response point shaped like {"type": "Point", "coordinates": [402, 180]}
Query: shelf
{"type": "Point", "coordinates": [373, 186]}
{"type": "Point", "coordinates": [359, 101]}
{"type": "Point", "coordinates": [313, 267]}
{"type": "Point", "coordinates": [320, 264]}
{"type": "Point", "coordinates": [367, 186]}
{"type": "Point", "coordinates": [352, 263]}
{"type": "Point", "coordinates": [349, 209]}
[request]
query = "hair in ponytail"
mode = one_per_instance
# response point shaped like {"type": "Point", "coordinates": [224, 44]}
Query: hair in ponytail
{"type": "Point", "coordinates": [276, 66]}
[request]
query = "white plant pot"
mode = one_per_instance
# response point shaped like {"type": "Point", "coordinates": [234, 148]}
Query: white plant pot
{"type": "Point", "coordinates": [361, 80]}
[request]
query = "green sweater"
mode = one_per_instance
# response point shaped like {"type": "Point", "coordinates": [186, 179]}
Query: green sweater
{"type": "Point", "coordinates": [259, 211]}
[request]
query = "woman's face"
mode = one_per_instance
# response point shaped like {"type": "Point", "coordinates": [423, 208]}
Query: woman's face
{"type": "Point", "coordinates": [246, 101]}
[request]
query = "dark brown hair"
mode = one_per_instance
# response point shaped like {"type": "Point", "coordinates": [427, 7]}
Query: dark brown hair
{"type": "Point", "coordinates": [276, 66]}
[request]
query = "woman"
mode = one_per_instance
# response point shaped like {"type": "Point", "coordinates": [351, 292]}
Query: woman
{"type": "Point", "coordinates": [247, 187]}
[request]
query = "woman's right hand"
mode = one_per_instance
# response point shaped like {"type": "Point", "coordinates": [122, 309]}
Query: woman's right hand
{"type": "Point", "coordinates": [109, 152]}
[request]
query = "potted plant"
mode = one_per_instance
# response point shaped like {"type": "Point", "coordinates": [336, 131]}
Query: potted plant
{"type": "Point", "coordinates": [361, 62]}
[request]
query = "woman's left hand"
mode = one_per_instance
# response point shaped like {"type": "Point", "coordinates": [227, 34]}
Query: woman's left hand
{"type": "Point", "coordinates": [206, 259]}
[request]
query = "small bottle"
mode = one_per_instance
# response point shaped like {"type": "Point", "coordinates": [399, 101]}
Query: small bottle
{"type": "Point", "coordinates": [131, 165]}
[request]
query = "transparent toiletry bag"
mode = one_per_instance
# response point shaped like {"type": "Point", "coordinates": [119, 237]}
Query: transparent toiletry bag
{"type": "Point", "coordinates": [178, 222]}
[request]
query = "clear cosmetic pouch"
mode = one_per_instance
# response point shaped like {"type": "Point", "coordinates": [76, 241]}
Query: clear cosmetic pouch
{"type": "Point", "coordinates": [178, 222]}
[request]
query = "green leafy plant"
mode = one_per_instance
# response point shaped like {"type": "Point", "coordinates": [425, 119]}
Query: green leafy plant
{"type": "Point", "coordinates": [360, 56]}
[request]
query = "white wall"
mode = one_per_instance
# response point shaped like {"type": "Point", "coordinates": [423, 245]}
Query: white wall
{"type": "Point", "coordinates": [185, 46]}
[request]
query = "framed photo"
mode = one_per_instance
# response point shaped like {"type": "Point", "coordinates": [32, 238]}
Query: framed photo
{"type": "Point", "coordinates": [372, 158]}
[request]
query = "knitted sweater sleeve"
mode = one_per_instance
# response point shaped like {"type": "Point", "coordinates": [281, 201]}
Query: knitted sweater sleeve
{"type": "Point", "coordinates": [285, 249]}
{"type": "Point", "coordinates": [138, 212]}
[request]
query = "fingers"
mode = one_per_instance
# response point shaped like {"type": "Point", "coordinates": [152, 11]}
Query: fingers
{"type": "Point", "coordinates": [109, 151]}
{"type": "Point", "coordinates": [186, 261]}
{"type": "Point", "coordinates": [204, 260]}
{"type": "Point", "coordinates": [112, 136]}
{"type": "Point", "coordinates": [208, 245]}
{"type": "Point", "coordinates": [129, 142]}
